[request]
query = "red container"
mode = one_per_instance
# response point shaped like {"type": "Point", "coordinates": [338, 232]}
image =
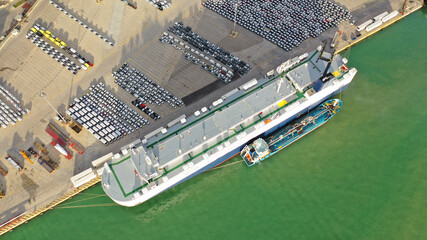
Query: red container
{"type": "Point", "coordinates": [56, 137]}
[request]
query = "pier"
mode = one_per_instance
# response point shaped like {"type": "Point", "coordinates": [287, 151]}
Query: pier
{"type": "Point", "coordinates": [24, 218]}
{"type": "Point", "coordinates": [403, 14]}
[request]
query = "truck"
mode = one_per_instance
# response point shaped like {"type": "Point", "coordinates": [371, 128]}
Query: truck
{"type": "Point", "coordinates": [76, 128]}
{"type": "Point", "coordinates": [13, 163]}
{"type": "Point", "coordinates": [76, 147]}
{"type": "Point", "coordinates": [56, 137]}
{"type": "Point", "coordinates": [61, 150]}
{"type": "Point", "coordinates": [3, 172]}
{"type": "Point", "coordinates": [45, 165]}
{"type": "Point", "coordinates": [59, 133]}
{"type": "Point", "coordinates": [32, 152]}
{"type": "Point", "coordinates": [40, 147]}
{"type": "Point", "coordinates": [49, 161]}
{"type": "Point", "coordinates": [25, 155]}
{"type": "Point", "coordinates": [1, 194]}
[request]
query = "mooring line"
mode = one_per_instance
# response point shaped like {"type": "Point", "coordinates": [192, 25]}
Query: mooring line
{"type": "Point", "coordinates": [83, 199]}
{"type": "Point", "coordinates": [225, 165]}
{"type": "Point", "coordinates": [94, 205]}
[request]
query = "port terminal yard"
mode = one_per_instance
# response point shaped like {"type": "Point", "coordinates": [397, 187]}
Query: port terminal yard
{"type": "Point", "coordinates": [136, 33]}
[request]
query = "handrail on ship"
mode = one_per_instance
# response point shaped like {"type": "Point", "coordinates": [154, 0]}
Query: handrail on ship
{"type": "Point", "coordinates": [293, 129]}
{"type": "Point", "coordinates": [232, 101]}
{"type": "Point", "coordinates": [199, 154]}
{"type": "Point", "coordinates": [299, 96]}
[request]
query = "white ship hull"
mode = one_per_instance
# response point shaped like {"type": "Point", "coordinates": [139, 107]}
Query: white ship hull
{"type": "Point", "coordinates": [234, 148]}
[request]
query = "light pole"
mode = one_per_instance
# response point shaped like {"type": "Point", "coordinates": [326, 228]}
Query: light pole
{"type": "Point", "coordinates": [233, 33]}
{"type": "Point", "coordinates": [236, 5]}
{"type": "Point", "coordinates": [43, 95]}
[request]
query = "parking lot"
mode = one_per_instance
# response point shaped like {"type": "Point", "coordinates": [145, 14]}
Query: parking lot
{"type": "Point", "coordinates": [135, 33]}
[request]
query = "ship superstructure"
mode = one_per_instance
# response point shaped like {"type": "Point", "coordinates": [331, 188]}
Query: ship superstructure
{"type": "Point", "coordinates": [193, 144]}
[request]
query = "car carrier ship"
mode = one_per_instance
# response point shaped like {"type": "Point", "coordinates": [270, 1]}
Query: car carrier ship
{"type": "Point", "coordinates": [194, 144]}
{"type": "Point", "coordinates": [262, 149]}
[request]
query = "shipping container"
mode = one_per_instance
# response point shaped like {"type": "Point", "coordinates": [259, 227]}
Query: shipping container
{"type": "Point", "coordinates": [3, 172]}
{"type": "Point", "coordinates": [56, 137]}
{"type": "Point", "coordinates": [76, 147]}
{"type": "Point", "coordinates": [59, 133]}
{"type": "Point", "coordinates": [40, 147]}
{"type": "Point", "coordinates": [364, 25]}
{"type": "Point", "coordinates": [46, 165]}
{"type": "Point", "coordinates": [373, 26]}
{"type": "Point", "coordinates": [13, 163]}
{"type": "Point", "coordinates": [390, 16]}
{"type": "Point", "coordinates": [51, 163]}
{"type": "Point", "coordinates": [25, 155]}
{"type": "Point", "coordinates": [379, 17]}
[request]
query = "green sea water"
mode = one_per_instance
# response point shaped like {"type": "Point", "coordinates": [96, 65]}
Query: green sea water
{"type": "Point", "coordinates": [362, 175]}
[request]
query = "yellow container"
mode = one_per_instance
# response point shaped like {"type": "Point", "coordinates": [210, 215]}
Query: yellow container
{"type": "Point", "coordinates": [336, 73]}
{"type": "Point", "coordinates": [282, 103]}
{"type": "Point", "coordinates": [24, 154]}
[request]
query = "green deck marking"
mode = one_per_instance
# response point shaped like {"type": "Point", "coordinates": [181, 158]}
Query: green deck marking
{"type": "Point", "coordinates": [316, 66]}
{"type": "Point", "coordinates": [199, 154]}
{"type": "Point", "coordinates": [299, 96]}
{"type": "Point", "coordinates": [232, 101]}
{"type": "Point", "coordinates": [121, 160]}
{"type": "Point", "coordinates": [117, 179]}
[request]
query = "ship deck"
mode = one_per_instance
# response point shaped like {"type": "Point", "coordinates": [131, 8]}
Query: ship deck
{"type": "Point", "coordinates": [283, 137]}
{"type": "Point", "coordinates": [188, 142]}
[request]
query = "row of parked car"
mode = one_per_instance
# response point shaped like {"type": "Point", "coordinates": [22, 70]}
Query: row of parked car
{"type": "Point", "coordinates": [8, 115]}
{"type": "Point", "coordinates": [208, 48]}
{"type": "Point", "coordinates": [142, 88]}
{"type": "Point", "coordinates": [52, 52]}
{"type": "Point", "coordinates": [284, 23]}
{"type": "Point", "coordinates": [41, 31]}
{"type": "Point", "coordinates": [196, 57]}
{"type": "Point", "coordinates": [141, 106]}
{"type": "Point", "coordinates": [12, 112]}
{"type": "Point", "coordinates": [81, 23]}
{"type": "Point", "coordinates": [104, 115]}
{"type": "Point", "coordinates": [159, 4]}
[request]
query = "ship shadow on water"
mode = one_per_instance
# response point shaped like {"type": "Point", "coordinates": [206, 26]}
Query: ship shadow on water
{"type": "Point", "coordinates": [184, 193]}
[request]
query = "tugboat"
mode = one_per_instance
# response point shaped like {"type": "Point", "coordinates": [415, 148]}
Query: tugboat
{"type": "Point", "coordinates": [260, 149]}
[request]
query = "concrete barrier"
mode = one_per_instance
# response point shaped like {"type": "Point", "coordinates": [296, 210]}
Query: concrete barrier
{"type": "Point", "coordinates": [100, 161]}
